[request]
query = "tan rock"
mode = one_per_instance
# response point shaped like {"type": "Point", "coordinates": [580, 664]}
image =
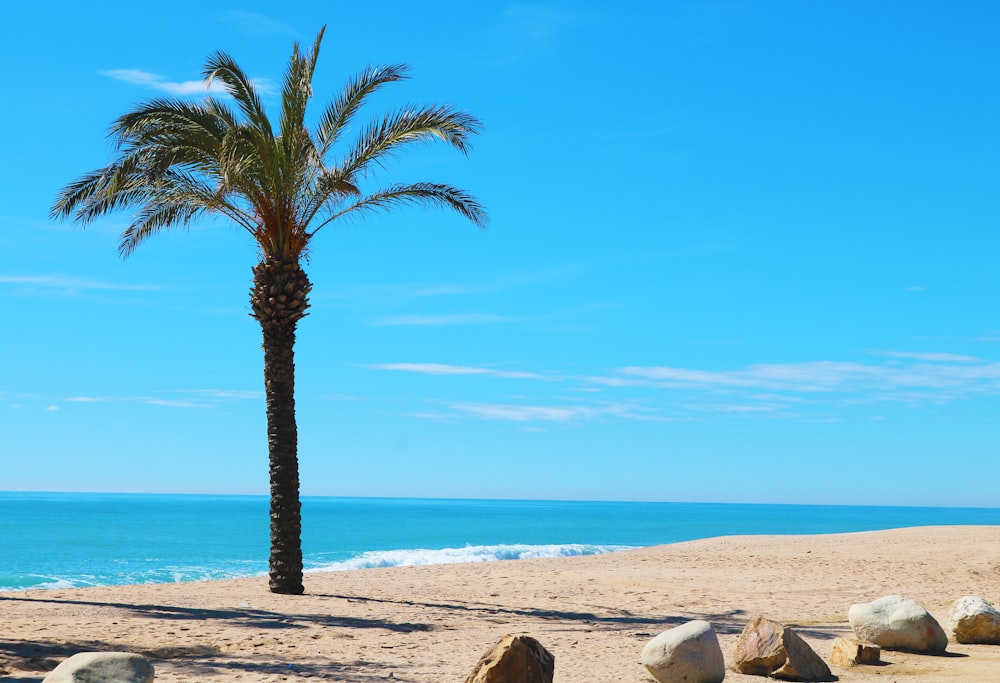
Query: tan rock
{"type": "Point", "coordinates": [973, 620]}
{"type": "Point", "coordinates": [514, 659]}
{"type": "Point", "coordinates": [766, 648]}
{"type": "Point", "coordinates": [850, 652]}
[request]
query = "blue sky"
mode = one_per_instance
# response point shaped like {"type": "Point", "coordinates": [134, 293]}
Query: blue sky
{"type": "Point", "coordinates": [739, 251]}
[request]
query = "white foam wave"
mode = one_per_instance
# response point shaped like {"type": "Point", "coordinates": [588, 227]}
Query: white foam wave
{"type": "Point", "coordinates": [37, 581]}
{"type": "Point", "coordinates": [472, 553]}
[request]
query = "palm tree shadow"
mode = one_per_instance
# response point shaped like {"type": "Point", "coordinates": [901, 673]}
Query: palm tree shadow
{"type": "Point", "coordinates": [197, 662]}
{"type": "Point", "coordinates": [249, 617]}
{"type": "Point", "coordinates": [610, 619]}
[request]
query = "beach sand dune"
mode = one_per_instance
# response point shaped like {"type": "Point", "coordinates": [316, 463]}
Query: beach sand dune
{"type": "Point", "coordinates": [431, 624]}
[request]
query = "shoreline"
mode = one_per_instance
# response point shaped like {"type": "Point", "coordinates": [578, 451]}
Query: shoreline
{"type": "Point", "coordinates": [431, 623]}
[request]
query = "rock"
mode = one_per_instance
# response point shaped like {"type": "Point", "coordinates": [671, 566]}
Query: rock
{"type": "Point", "coordinates": [973, 620]}
{"type": "Point", "coordinates": [850, 652]}
{"type": "Point", "coordinates": [689, 653]}
{"type": "Point", "coordinates": [766, 648]}
{"type": "Point", "coordinates": [897, 623]}
{"type": "Point", "coordinates": [514, 659]}
{"type": "Point", "coordinates": [102, 667]}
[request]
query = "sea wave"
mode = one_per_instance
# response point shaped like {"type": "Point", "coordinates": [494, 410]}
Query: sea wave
{"type": "Point", "coordinates": [168, 574]}
{"type": "Point", "coordinates": [172, 573]}
{"type": "Point", "coordinates": [470, 553]}
{"type": "Point", "coordinates": [30, 581]}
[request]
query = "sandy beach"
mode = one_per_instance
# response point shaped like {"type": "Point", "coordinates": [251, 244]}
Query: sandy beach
{"type": "Point", "coordinates": [431, 624]}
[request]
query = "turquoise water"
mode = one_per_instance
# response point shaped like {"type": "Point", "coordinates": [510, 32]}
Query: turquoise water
{"type": "Point", "coordinates": [50, 540]}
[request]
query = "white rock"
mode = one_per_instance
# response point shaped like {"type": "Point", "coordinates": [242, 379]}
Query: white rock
{"type": "Point", "coordinates": [973, 620]}
{"type": "Point", "coordinates": [102, 667]}
{"type": "Point", "coordinates": [897, 623]}
{"type": "Point", "coordinates": [688, 653]}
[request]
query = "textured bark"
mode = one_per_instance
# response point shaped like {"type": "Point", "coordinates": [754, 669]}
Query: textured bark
{"type": "Point", "coordinates": [279, 300]}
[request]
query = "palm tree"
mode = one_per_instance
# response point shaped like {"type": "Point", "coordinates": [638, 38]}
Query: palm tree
{"type": "Point", "coordinates": [175, 160]}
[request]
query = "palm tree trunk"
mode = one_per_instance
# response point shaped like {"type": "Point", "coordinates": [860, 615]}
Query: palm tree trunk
{"type": "Point", "coordinates": [278, 299]}
{"type": "Point", "coordinates": [285, 564]}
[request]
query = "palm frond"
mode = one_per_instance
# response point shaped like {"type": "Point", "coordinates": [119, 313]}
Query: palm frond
{"type": "Point", "coordinates": [175, 160]}
{"type": "Point", "coordinates": [341, 111]}
{"type": "Point", "coordinates": [406, 127]}
{"type": "Point", "coordinates": [160, 119]}
{"type": "Point", "coordinates": [434, 194]}
{"type": "Point", "coordinates": [153, 219]}
{"type": "Point", "coordinates": [221, 66]}
{"type": "Point", "coordinates": [328, 190]}
{"type": "Point", "coordinates": [296, 90]}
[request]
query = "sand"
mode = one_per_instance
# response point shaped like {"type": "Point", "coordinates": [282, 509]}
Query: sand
{"type": "Point", "coordinates": [595, 614]}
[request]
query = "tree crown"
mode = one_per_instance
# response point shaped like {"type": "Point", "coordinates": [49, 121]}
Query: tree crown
{"type": "Point", "coordinates": [175, 160]}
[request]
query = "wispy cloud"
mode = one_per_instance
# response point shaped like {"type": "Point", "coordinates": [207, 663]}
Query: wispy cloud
{"type": "Point", "coordinates": [817, 390]}
{"type": "Point", "coordinates": [932, 357]}
{"type": "Point", "coordinates": [154, 81]}
{"type": "Point", "coordinates": [257, 25]}
{"type": "Point", "coordinates": [207, 398]}
{"type": "Point", "coordinates": [70, 284]}
{"type": "Point", "coordinates": [500, 284]}
{"type": "Point", "coordinates": [366, 296]}
{"type": "Point", "coordinates": [933, 376]}
{"type": "Point", "coordinates": [440, 320]}
{"type": "Point", "coordinates": [445, 369]}
{"type": "Point", "coordinates": [174, 403]}
{"type": "Point", "coordinates": [487, 318]}
{"type": "Point", "coordinates": [226, 394]}
{"type": "Point", "coordinates": [145, 400]}
{"type": "Point", "coordinates": [561, 413]}
{"type": "Point", "coordinates": [158, 82]}
{"type": "Point", "coordinates": [528, 30]}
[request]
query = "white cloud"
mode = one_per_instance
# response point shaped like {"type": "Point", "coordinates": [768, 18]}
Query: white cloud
{"type": "Point", "coordinates": [568, 413]}
{"type": "Point", "coordinates": [529, 30]}
{"type": "Point", "coordinates": [436, 320]}
{"type": "Point", "coordinates": [211, 398]}
{"type": "Point", "coordinates": [482, 318]}
{"type": "Point", "coordinates": [227, 394]}
{"type": "Point", "coordinates": [803, 377]}
{"type": "Point", "coordinates": [157, 82]}
{"type": "Point", "coordinates": [521, 413]}
{"type": "Point", "coordinates": [168, 403]}
{"type": "Point", "coordinates": [927, 377]}
{"type": "Point", "coordinates": [933, 357]}
{"type": "Point", "coordinates": [445, 369]}
{"type": "Point", "coordinates": [258, 25]}
{"type": "Point", "coordinates": [430, 368]}
{"type": "Point", "coordinates": [69, 283]}
{"type": "Point", "coordinates": [815, 390]}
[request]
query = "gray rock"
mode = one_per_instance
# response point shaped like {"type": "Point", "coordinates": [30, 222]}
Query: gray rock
{"type": "Point", "coordinates": [973, 620]}
{"type": "Point", "coordinates": [766, 648]}
{"type": "Point", "coordinates": [897, 623]}
{"type": "Point", "coordinates": [514, 659]}
{"type": "Point", "coordinates": [102, 667]}
{"type": "Point", "coordinates": [689, 653]}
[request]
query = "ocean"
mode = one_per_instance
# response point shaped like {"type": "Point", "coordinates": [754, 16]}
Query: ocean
{"type": "Point", "coordinates": [62, 540]}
